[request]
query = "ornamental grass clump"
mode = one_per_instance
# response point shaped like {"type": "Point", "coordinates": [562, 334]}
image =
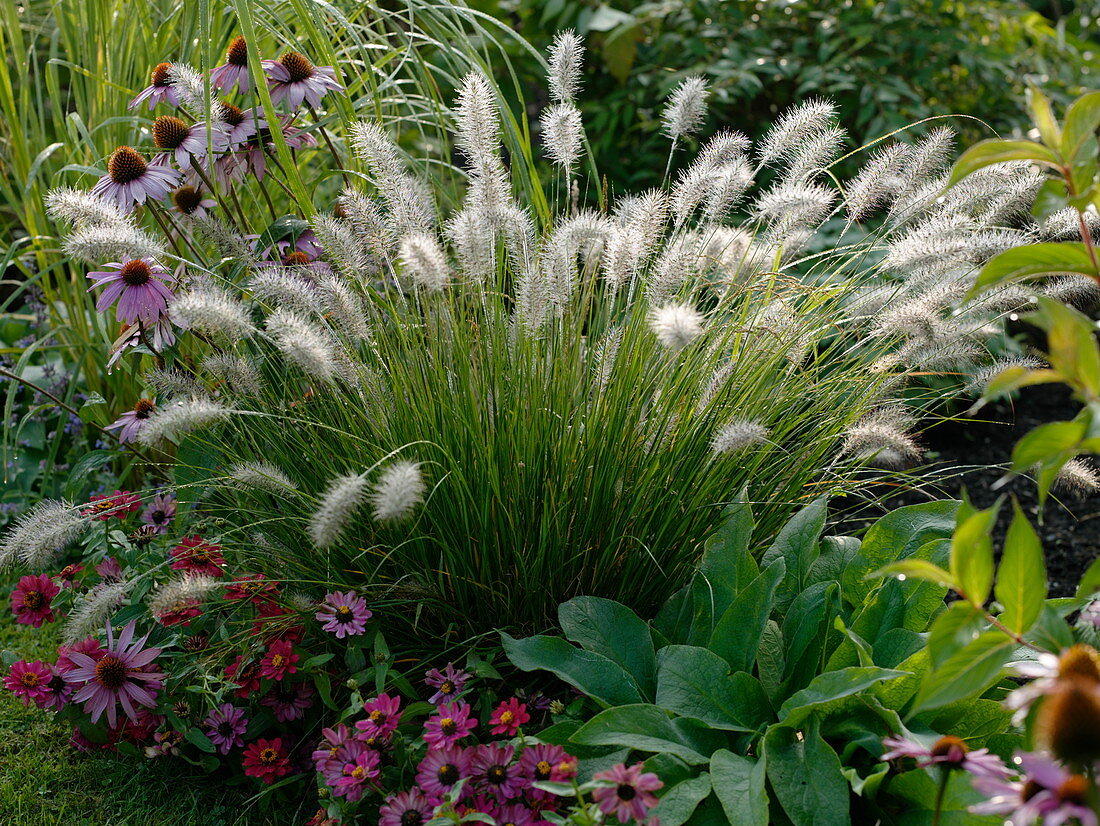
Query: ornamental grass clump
{"type": "Point", "coordinates": [535, 393]}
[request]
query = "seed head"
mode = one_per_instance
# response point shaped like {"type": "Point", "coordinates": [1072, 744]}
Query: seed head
{"type": "Point", "coordinates": [676, 325]}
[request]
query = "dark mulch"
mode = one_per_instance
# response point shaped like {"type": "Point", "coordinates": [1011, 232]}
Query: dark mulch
{"type": "Point", "coordinates": [972, 453]}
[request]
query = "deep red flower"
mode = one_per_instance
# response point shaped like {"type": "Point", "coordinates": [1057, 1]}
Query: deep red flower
{"type": "Point", "coordinates": [280, 661]}
{"type": "Point", "coordinates": [67, 575]}
{"type": "Point", "coordinates": [255, 588]}
{"type": "Point", "coordinates": [196, 554]}
{"type": "Point", "coordinates": [30, 601]}
{"type": "Point", "coordinates": [508, 717]}
{"type": "Point", "coordinates": [246, 676]}
{"type": "Point", "coordinates": [266, 759]}
{"type": "Point", "coordinates": [104, 506]}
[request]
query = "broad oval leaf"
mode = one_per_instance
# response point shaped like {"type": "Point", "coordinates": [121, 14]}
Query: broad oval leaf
{"type": "Point", "coordinates": [832, 685]}
{"type": "Point", "coordinates": [694, 682]}
{"type": "Point", "coordinates": [641, 726]}
{"type": "Point", "coordinates": [605, 627]}
{"type": "Point", "coordinates": [987, 153]}
{"type": "Point", "coordinates": [592, 673]}
{"type": "Point", "coordinates": [679, 802]}
{"type": "Point", "coordinates": [806, 775]}
{"type": "Point", "coordinates": [737, 634]}
{"type": "Point", "coordinates": [967, 673]}
{"type": "Point", "coordinates": [1032, 260]}
{"type": "Point", "coordinates": [739, 783]}
{"type": "Point", "coordinates": [1022, 576]}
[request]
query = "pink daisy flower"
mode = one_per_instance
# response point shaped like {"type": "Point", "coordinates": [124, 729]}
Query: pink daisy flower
{"type": "Point", "coordinates": [241, 125]}
{"type": "Point", "coordinates": [450, 723]}
{"type": "Point", "coordinates": [336, 748]}
{"type": "Point", "coordinates": [116, 677]}
{"type": "Point", "coordinates": [296, 80]}
{"type": "Point", "coordinates": [1047, 793]}
{"type": "Point", "coordinates": [89, 646]}
{"type": "Point", "coordinates": [197, 555]}
{"type": "Point", "coordinates": [289, 701]}
{"type": "Point", "coordinates": [132, 421]}
{"type": "Point", "coordinates": [234, 72]}
{"type": "Point", "coordinates": [181, 613]}
{"type": "Point", "coordinates": [31, 600]}
{"type": "Point", "coordinates": [117, 505]}
{"type": "Point", "coordinates": [383, 715]}
{"type": "Point", "coordinates": [30, 682]}
{"type": "Point", "coordinates": [225, 726]}
{"type": "Point", "coordinates": [515, 814]}
{"type": "Point", "coordinates": [543, 762]}
{"type": "Point", "coordinates": [496, 773]}
{"type": "Point", "coordinates": [508, 717]}
{"type": "Point", "coordinates": [256, 588]}
{"type": "Point", "coordinates": [448, 684]}
{"type": "Point", "coordinates": [131, 180]}
{"type": "Point", "coordinates": [160, 513]}
{"type": "Point", "coordinates": [441, 769]}
{"type": "Point", "coordinates": [266, 759]}
{"type": "Point", "coordinates": [108, 568]}
{"type": "Point", "coordinates": [948, 752]}
{"type": "Point", "coordinates": [160, 89]}
{"type": "Point", "coordinates": [630, 794]}
{"type": "Point", "coordinates": [405, 809]}
{"type": "Point", "coordinates": [280, 661]}
{"type": "Point", "coordinates": [138, 287]}
{"type": "Point", "coordinates": [344, 614]}
{"type": "Point", "coordinates": [357, 775]}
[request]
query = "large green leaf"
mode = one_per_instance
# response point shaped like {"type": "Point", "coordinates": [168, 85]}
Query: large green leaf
{"type": "Point", "coordinates": [736, 636]}
{"type": "Point", "coordinates": [832, 685]}
{"type": "Point", "coordinates": [805, 629]}
{"type": "Point", "coordinates": [972, 554]}
{"type": "Point", "coordinates": [679, 802]}
{"type": "Point", "coordinates": [806, 775]}
{"type": "Point", "coordinates": [725, 569]}
{"type": "Point", "coordinates": [1049, 258]}
{"type": "Point", "coordinates": [739, 783]}
{"type": "Point", "coordinates": [643, 727]}
{"type": "Point", "coordinates": [1022, 575]}
{"type": "Point", "coordinates": [1082, 121]}
{"type": "Point", "coordinates": [592, 673]}
{"type": "Point", "coordinates": [987, 153]}
{"type": "Point", "coordinates": [954, 629]}
{"type": "Point", "coordinates": [919, 790]}
{"type": "Point", "coordinates": [694, 682]}
{"type": "Point", "coordinates": [606, 627]}
{"type": "Point", "coordinates": [797, 546]}
{"type": "Point", "coordinates": [967, 673]}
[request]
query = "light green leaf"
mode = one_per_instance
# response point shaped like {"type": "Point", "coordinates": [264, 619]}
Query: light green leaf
{"type": "Point", "coordinates": [739, 783]}
{"type": "Point", "coordinates": [915, 569]}
{"type": "Point", "coordinates": [967, 673]}
{"type": "Point", "coordinates": [1047, 258]}
{"type": "Point", "coordinates": [1082, 121]}
{"type": "Point", "coordinates": [736, 636]}
{"type": "Point", "coordinates": [1022, 575]}
{"type": "Point", "coordinates": [797, 546]}
{"type": "Point", "coordinates": [987, 153]}
{"type": "Point", "coordinates": [643, 727]}
{"type": "Point", "coordinates": [972, 555]}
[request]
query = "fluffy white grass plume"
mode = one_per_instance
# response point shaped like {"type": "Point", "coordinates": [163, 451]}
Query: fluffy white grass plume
{"type": "Point", "coordinates": [111, 242]}
{"type": "Point", "coordinates": [714, 385]}
{"type": "Point", "coordinates": [474, 241]}
{"type": "Point", "coordinates": [399, 489]}
{"type": "Point", "coordinates": [816, 153]}
{"type": "Point", "coordinates": [737, 435]}
{"type": "Point", "coordinates": [607, 353]}
{"type": "Point", "coordinates": [790, 206]}
{"type": "Point", "coordinates": [212, 312]}
{"type": "Point", "coordinates": [168, 381]}
{"type": "Point", "coordinates": [793, 127]}
{"type": "Point", "coordinates": [981, 378]}
{"type": "Point", "coordinates": [565, 60]}
{"type": "Point", "coordinates": [365, 216]}
{"type": "Point", "coordinates": [303, 344]}
{"type": "Point", "coordinates": [881, 439]}
{"type": "Point", "coordinates": [338, 505]}
{"type": "Point", "coordinates": [91, 612]}
{"type": "Point", "coordinates": [780, 330]}
{"type": "Point", "coordinates": [262, 476]}
{"type": "Point", "coordinates": [285, 289]}
{"type": "Point", "coordinates": [342, 248]}
{"type": "Point", "coordinates": [423, 261]}
{"type": "Point", "coordinates": [182, 592]}
{"type": "Point", "coordinates": [1080, 291]}
{"type": "Point", "coordinates": [76, 206]}
{"type": "Point", "coordinates": [409, 206]}
{"type": "Point", "coordinates": [642, 222]}
{"type": "Point", "coordinates": [173, 421]}
{"type": "Point", "coordinates": [344, 307]}
{"type": "Point", "coordinates": [1079, 477]}
{"type": "Point", "coordinates": [676, 325]}
{"type": "Point", "coordinates": [189, 83]}
{"type": "Point", "coordinates": [228, 242]}
{"type": "Point", "coordinates": [875, 184]}
{"type": "Point", "coordinates": [477, 137]}
{"type": "Point", "coordinates": [562, 134]}
{"type": "Point", "coordinates": [569, 239]}
{"type": "Point", "coordinates": [686, 107]}
{"type": "Point", "coordinates": [727, 186]}
{"type": "Point", "coordinates": [237, 374]}
{"type": "Point", "coordinates": [38, 534]}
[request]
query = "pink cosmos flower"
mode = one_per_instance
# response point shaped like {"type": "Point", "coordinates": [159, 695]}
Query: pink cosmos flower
{"type": "Point", "coordinates": [495, 772]}
{"type": "Point", "coordinates": [131, 180]}
{"type": "Point", "coordinates": [280, 661]}
{"type": "Point", "coordinates": [266, 759]}
{"type": "Point", "coordinates": [289, 701]}
{"type": "Point", "coordinates": [30, 681]}
{"type": "Point", "coordinates": [139, 288]}
{"type": "Point", "coordinates": [160, 513]}
{"type": "Point", "coordinates": [234, 72]}
{"type": "Point", "coordinates": [295, 79]}
{"type": "Point", "coordinates": [356, 775]}
{"type": "Point", "coordinates": [543, 762]}
{"type": "Point", "coordinates": [402, 809]}
{"type": "Point", "coordinates": [132, 421]}
{"type": "Point", "coordinates": [160, 89]}
{"type": "Point", "coordinates": [383, 715]}
{"type": "Point", "coordinates": [448, 683]}
{"type": "Point", "coordinates": [948, 752]}
{"type": "Point", "coordinates": [117, 505]}
{"type": "Point", "coordinates": [344, 614]}
{"type": "Point", "coordinates": [31, 600]}
{"type": "Point", "coordinates": [441, 769]}
{"type": "Point", "coordinates": [225, 726]}
{"type": "Point", "coordinates": [116, 677]}
{"type": "Point", "coordinates": [197, 555]}
{"type": "Point", "coordinates": [450, 723]}
{"type": "Point", "coordinates": [630, 796]}
{"type": "Point", "coordinates": [508, 717]}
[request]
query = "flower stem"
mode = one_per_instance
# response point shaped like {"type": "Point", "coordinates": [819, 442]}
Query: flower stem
{"type": "Point", "coordinates": [945, 775]}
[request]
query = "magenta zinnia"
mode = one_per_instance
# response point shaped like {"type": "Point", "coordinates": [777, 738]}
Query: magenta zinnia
{"type": "Point", "coordinates": [139, 288]}
{"type": "Point", "coordinates": [344, 614]}
{"type": "Point", "coordinates": [279, 662]}
{"type": "Point", "coordinates": [29, 681]}
{"type": "Point", "coordinates": [266, 759]}
{"type": "Point", "coordinates": [31, 599]}
{"type": "Point", "coordinates": [197, 555]}
{"type": "Point", "coordinates": [448, 683]}
{"type": "Point", "coordinates": [630, 796]}
{"type": "Point", "coordinates": [117, 505]}
{"type": "Point", "coordinates": [116, 677]}
{"type": "Point", "coordinates": [450, 723]}
{"type": "Point", "coordinates": [508, 717]}
{"type": "Point", "coordinates": [405, 809]}
{"type": "Point", "coordinates": [383, 715]}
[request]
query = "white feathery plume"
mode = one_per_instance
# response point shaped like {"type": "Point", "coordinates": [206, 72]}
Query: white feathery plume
{"type": "Point", "coordinates": [276, 288]}
{"type": "Point", "coordinates": [1077, 476]}
{"type": "Point", "coordinates": [678, 259]}
{"type": "Point", "coordinates": [565, 61]}
{"type": "Point", "coordinates": [90, 614]}
{"type": "Point", "coordinates": [212, 312]}
{"type": "Point", "coordinates": [262, 476]}
{"type": "Point", "coordinates": [629, 245]}
{"type": "Point", "coordinates": [399, 489]}
{"type": "Point", "coordinates": [477, 137]}
{"type": "Point", "coordinates": [1065, 225]}
{"type": "Point", "coordinates": [737, 435]}
{"type": "Point", "coordinates": [727, 186]}
{"type": "Point", "coordinates": [303, 344]}
{"type": "Point", "coordinates": [686, 107]}
{"type": "Point", "coordinates": [236, 373]}
{"type": "Point", "coordinates": [228, 242]}
{"type": "Point", "coordinates": [474, 241]}
{"type": "Point", "coordinates": [172, 382]}
{"type": "Point", "coordinates": [875, 183]}
{"type": "Point", "coordinates": [714, 385]}
{"type": "Point", "coordinates": [76, 207]}
{"type": "Point", "coordinates": [344, 307]}
{"type": "Point", "coordinates": [814, 154]}
{"type": "Point", "coordinates": [779, 322]}
{"type": "Point", "coordinates": [409, 205]}
{"type": "Point", "coordinates": [342, 249]}
{"type": "Point", "coordinates": [190, 85]}
{"type": "Point", "coordinates": [933, 246]}
{"type": "Point", "coordinates": [518, 228]}
{"type": "Point", "coordinates": [952, 352]}
{"type": "Point", "coordinates": [175, 420]}
{"type": "Point", "coordinates": [793, 127]}
{"type": "Point", "coordinates": [339, 504]}
{"type": "Point", "coordinates": [423, 261]}
{"type": "Point", "coordinates": [111, 242]}
{"type": "Point", "coordinates": [37, 535]}
{"type": "Point", "coordinates": [1079, 291]}
{"type": "Point", "coordinates": [607, 353]}
{"type": "Point", "coordinates": [724, 149]}
{"type": "Point", "coordinates": [182, 592]}
{"type": "Point", "coordinates": [568, 240]}
{"type": "Point", "coordinates": [366, 218]}
{"type": "Point", "coordinates": [562, 135]}
{"type": "Point", "coordinates": [923, 163]}
{"type": "Point", "coordinates": [676, 325]}
{"type": "Point", "coordinates": [881, 439]}
{"type": "Point", "coordinates": [788, 207]}
{"type": "Point", "coordinates": [981, 378]}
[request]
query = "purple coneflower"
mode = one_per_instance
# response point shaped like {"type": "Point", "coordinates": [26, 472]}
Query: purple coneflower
{"type": "Point", "coordinates": [139, 288]}
{"type": "Point", "coordinates": [159, 333]}
{"type": "Point", "coordinates": [1076, 662]}
{"type": "Point", "coordinates": [383, 715]}
{"type": "Point", "coordinates": [441, 769]}
{"type": "Point", "coordinates": [448, 683]}
{"type": "Point", "coordinates": [630, 796]}
{"type": "Point", "coordinates": [1046, 793]}
{"type": "Point", "coordinates": [241, 124]}
{"type": "Point", "coordinates": [344, 614]}
{"type": "Point", "coordinates": [130, 180]}
{"type": "Point", "coordinates": [949, 753]}
{"type": "Point", "coordinates": [184, 144]}
{"type": "Point", "coordinates": [133, 420]}
{"type": "Point", "coordinates": [305, 252]}
{"type": "Point", "coordinates": [403, 809]}
{"type": "Point", "coordinates": [226, 725]}
{"type": "Point", "coordinates": [495, 772]}
{"type": "Point", "coordinates": [450, 723]}
{"type": "Point", "coordinates": [160, 89]}
{"type": "Point", "coordinates": [161, 512]}
{"type": "Point", "coordinates": [295, 79]}
{"type": "Point", "coordinates": [189, 201]}
{"type": "Point", "coordinates": [234, 72]}
{"type": "Point", "coordinates": [289, 701]}
{"type": "Point", "coordinates": [116, 676]}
